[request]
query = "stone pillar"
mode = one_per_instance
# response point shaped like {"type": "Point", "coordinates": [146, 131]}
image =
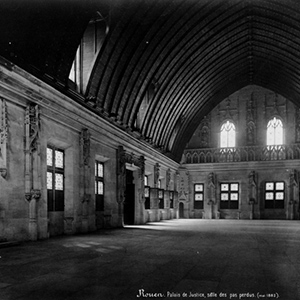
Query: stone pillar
{"type": "Point", "coordinates": [121, 183]}
{"type": "Point", "coordinates": [292, 211]}
{"type": "Point", "coordinates": [32, 167]}
{"type": "Point", "coordinates": [252, 194]}
{"type": "Point", "coordinates": [154, 205]}
{"type": "Point", "coordinates": [141, 190]}
{"type": "Point", "coordinates": [211, 195]}
{"type": "Point", "coordinates": [167, 204]}
{"type": "Point", "coordinates": [3, 138]}
{"type": "Point", "coordinates": [85, 177]}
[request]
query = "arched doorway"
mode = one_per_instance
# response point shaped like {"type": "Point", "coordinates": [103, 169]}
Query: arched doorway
{"type": "Point", "coordinates": [181, 210]}
{"type": "Point", "coordinates": [129, 202]}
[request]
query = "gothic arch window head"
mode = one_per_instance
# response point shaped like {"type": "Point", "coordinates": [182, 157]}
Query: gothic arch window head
{"type": "Point", "coordinates": [227, 135]}
{"type": "Point", "coordinates": [274, 132]}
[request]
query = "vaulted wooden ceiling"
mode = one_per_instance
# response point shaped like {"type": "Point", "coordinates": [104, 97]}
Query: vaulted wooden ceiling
{"type": "Point", "coordinates": [191, 53]}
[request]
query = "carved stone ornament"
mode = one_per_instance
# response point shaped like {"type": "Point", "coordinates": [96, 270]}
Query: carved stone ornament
{"type": "Point", "coordinates": [86, 198]}
{"type": "Point", "coordinates": [293, 178]}
{"type": "Point", "coordinates": [168, 178]}
{"type": "Point", "coordinates": [85, 145]}
{"type": "Point", "coordinates": [3, 138]}
{"type": "Point", "coordinates": [156, 174]}
{"type": "Point", "coordinates": [3, 172]}
{"type": "Point", "coordinates": [34, 194]}
{"type": "Point", "coordinates": [32, 121]}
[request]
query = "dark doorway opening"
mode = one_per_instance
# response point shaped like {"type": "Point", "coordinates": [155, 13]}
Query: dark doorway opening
{"type": "Point", "coordinates": [181, 210]}
{"type": "Point", "coordinates": [129, 199]}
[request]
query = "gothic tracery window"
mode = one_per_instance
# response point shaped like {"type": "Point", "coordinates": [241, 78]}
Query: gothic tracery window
{"type": "Point", "coordinates": [227, 135]}
{"type": "Point", "coordinates": [274, 132]}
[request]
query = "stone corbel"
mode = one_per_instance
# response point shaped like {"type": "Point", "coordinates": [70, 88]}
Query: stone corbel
{"type": "Point", "coordinates": [3, 172]}
{"type": "Point", "coordinates": [86, 198]}
{"type": "Point", "coordinates": [33, 194]}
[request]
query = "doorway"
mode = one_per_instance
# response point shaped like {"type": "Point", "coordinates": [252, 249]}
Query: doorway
{"type": "Point", "coordinates": [129, 202]}
{"type": "Point", "coordinates": [181, 210]}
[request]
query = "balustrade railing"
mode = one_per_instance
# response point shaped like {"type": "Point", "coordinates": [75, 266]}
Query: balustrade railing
{"type": "Point", "coordinates": [237, 154]}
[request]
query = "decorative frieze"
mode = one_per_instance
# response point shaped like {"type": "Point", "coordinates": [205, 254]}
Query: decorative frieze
{"type": "Point", "coordinates": [251, 122]}
{"type": "Point", "coordinates": [274, 107]}
{"type": "Point", "coordinates": [237, 154]}
{"type": "Point", "coordinates": [205, 132]}
{"type": "Point", "coordinates": [85, 137]}
{"type": "Point", "coordinates": [230, 111]}
{"type": "Point", "coordinates": [32, 127]}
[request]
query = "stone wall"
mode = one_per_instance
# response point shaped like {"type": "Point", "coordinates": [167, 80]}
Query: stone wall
{"type": "Point", "coordinates": [34, 116]}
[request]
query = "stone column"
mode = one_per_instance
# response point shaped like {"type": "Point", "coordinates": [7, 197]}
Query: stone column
{"type": "Point", "coordinates": [32, 167]}
{"type": "Point", "coordinates": [211, 195]}
{"type": "Point", "coordinates": [141, 190]}
{"type": "Point", "coordinates": [293, 200]}
{"type": "Point", "coordinates": [86, 177]}
{"type": "Point", "coordinates": [154, 205]}
{"type": "Point", "coordinates": [121, 183]}
{"type": "Point", "coordinates": [252, 194]}
{"type": "Point", "coordinates": [3, 138]}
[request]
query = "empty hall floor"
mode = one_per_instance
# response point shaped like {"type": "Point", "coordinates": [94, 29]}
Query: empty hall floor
{"type": "Point", "coordinates": [175, 259]}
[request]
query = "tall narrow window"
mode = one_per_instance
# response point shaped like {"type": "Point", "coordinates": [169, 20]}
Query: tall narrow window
{"type": "Point", "coordinates": [229, 196]}
{"type": "Point", "coordinates": [274, 194]}
{"type": "Point", "coordinates": [227, 135]}
{"type": "Point", "coordinates": [99, 186]}
{"type": "Point", "coordinates": [171, 199]}
{"type": "Point", "coordinates": [147, 192]}
{"type": "Point", "coordinates": [275, 132]}
{"type": "Point", "coordinates": [55, 179]}
{"type": "Point", "coordinates": [161, 198]}
{"type": "Point", "coordinates": [159, 183]}
{"type": "Point", "coordinates": [198, 195]}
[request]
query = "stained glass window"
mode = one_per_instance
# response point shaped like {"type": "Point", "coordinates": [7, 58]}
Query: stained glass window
{"type": "Point", "coordinates": [234, 187]}
{"type": "Point", "coordinates": [198, 187]}
{"type": "Point", "coordinates": [224, 187]}
{"type": "Point", "coordinates": [279, 186]}
{"type": "Point", "coordinates": [49, 181]}
{"type": "Point", "coordinates": [229, 196]}
{"type": "Point", "coordinates": [59, 159]}
{"type": "Point", "coordinates": [49, 157]}
{"type": "Point", "coordinates": [227, 135]}
{"type": "Point", "coordinates": [59, 182]}
{"type": "Point", "coordinates": [274, 195]}
{"type": "Point", "coordinates": [275, 132]}
{"type": "Point", "coordinates": [55, 179]}
{"type": "Point", "coordinates": [234, 197]}
{"type": "Point", "coordinates": [198, 196]}
{"type": "Point", "coordinates": [146, 180]}
{"type": "Point", "coordinates": [99, 186]}
{"type": "Point", "coordinates": [224, 197]}
{"type": "Point", "coordinates": [279, 196]}
{"type": "Point", "coordinates": [147, 192]}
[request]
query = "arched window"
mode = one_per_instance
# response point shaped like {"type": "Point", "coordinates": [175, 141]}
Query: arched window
{"type": "Point", "coordinates": [275, 132]}
{"type": "Point", "coordinates": [227, 135]}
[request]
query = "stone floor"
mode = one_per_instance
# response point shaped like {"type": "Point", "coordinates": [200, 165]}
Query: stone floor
{"type": "Point", "coordinates": [178, 259]}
